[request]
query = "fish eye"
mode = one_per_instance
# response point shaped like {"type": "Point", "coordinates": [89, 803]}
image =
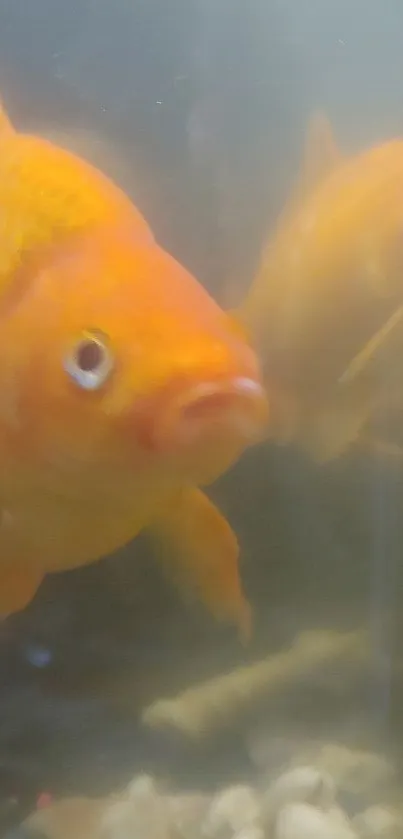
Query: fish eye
{"type": "Point", "coordinates": [90, 362]}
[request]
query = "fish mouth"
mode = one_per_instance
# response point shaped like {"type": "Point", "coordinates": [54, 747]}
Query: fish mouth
{"type": "Point", "coordinates": [212, 412]}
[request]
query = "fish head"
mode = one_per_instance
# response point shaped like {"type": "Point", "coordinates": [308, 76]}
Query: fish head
{"type": "Point", "coordinates": [126, 364]}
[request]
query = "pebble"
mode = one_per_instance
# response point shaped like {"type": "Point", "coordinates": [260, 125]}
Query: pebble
{"type": "Point", "coordinates": [303, 821]}
{"type": "Point", "coordinates": [142, 786]}
{"type": "Point", "coordinates": [303, 784]}
{"type": "Point", "coordinates": [125, 820]}
{"type": "Point", "coordinates": [379, 823]}
{"type": "Point", "coordinates": [300, 803]}
{"type": "Point", "coordinates": [231, 811]}
{"type": "Point", "coordinates": [355, 771]}
{"type": "Point", "coordinates": [140, 811]}
{"type": "Point", "coordinates": [251, 831]}
{"type": "Point", "coordinates": [144, 811]}
{"type": "Point", "coordinates": [186, 814]}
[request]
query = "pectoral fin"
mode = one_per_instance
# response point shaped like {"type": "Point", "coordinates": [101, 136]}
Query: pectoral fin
{"type": "Point", "coordinates": [200, 551]}
{"type": "Point", "coordinates": [321, 156]}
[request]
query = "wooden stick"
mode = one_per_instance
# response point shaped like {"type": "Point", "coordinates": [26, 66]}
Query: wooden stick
{"type": "Point", "coordinates": [201, 709]}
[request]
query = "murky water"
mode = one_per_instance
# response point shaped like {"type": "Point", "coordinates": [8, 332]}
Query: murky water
{"type": "Point", "coordinates": [198, 109]}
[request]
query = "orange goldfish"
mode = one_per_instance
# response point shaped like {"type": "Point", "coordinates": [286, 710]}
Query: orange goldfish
{"type": "Point", "coordinates": [327, 299]}
{"type": "Point", "coordinates": [123, 386]}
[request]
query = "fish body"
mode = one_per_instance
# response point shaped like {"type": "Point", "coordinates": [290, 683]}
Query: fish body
{"type": "Point", "coordinates": [329, 279]}
{"type": "Point", "coordinates": [123, 385]}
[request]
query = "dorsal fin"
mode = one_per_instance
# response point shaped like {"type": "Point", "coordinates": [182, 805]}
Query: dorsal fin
{"type": "Point", "coordinates": [6, 128]}
{"type": "Point", "coordinates": [321, 153]}
{"type": "Point", "coordinates": [320, 157]}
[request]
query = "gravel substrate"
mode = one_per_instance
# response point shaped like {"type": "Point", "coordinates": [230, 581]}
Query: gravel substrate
{"type": "Point", "coordinates": [324, 791]}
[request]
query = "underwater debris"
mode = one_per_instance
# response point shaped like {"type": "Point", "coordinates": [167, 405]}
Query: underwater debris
{"type": "Point", "coordinates": [216, 703]}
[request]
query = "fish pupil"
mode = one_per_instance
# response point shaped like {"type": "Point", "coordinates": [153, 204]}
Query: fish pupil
{"type": "Point", "coordinates": [90, 355]}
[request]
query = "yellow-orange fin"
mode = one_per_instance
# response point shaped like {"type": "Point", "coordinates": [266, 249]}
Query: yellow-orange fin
{"type": "Point", "coordinates": [361, 360]}
{"type": "Point", "coordinates": [6, 126]}
{"type": "Point", "coordinates": [320, 157]}
{"type": "Point", "coordinates": [200, 551]}
{"type": "Point", "coordinates": [321, 153]}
